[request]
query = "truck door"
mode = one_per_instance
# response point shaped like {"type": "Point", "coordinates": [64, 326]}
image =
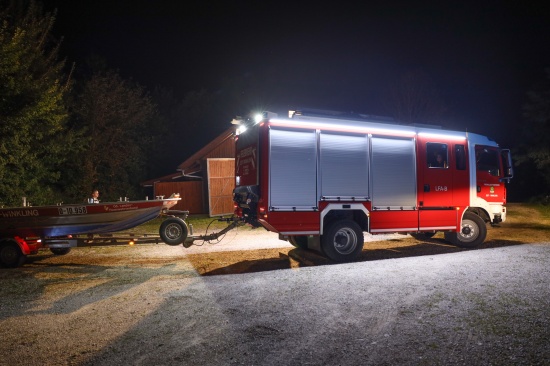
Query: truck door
{"type": "Point", "coordinates": [435, 185]}
{"type": "Point", "coordinates": [490, 186]}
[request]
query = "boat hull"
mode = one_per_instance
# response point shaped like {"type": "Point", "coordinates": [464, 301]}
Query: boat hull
{"type": "Point", "coordinates": [53, 221]}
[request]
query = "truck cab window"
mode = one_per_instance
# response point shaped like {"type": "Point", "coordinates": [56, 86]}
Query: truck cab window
{"type": "Point", "coordinates": [460, 154]}
{"type": "Point", "coordinates": [487, 160]}
{"type": "Point", "coordinates": [437, 155]}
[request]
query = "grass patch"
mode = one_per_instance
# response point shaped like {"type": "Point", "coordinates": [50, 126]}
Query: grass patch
{"type": "Point", "coordinates": [544, 210]}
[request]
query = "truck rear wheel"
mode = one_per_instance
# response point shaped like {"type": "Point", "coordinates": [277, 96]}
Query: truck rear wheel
{"type": "Point", "coordinates": [299, 241]}
{"type": "Point", "coordinates": [173, 231]}
{"type": "Point", "coordinates": [343, 241]}
{"type": "Point", "coordinates": [11, 255]}
{"type": "Point", "coordinates": [472, 233]}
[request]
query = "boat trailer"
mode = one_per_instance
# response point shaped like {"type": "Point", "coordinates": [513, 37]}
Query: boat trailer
{"type": "Point", "coordinates": [175, 231]}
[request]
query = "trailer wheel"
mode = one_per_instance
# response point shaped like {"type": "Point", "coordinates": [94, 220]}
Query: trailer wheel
{"type": "Point", "coordinates": [343, 241]}
{"type": "Point", "coordinates": [473, 232]}
{"type": "Point", "coordinates": [11, 255]}
{"type": "Point", "coordinates": [173, 231]}
{"type": "Point", "coordinates": [299, 241]}
{"type": "Point", "coordinates": [60, 251]}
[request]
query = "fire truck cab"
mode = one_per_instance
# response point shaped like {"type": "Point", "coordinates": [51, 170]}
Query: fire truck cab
{"type": "Point", "coordinates": [321, 181]}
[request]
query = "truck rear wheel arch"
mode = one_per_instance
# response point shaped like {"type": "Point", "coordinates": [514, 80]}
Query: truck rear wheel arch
{"type": "Point", "coordinates": [357, 216]}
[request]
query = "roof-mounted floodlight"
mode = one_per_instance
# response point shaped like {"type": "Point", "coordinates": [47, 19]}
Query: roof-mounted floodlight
{"type": "Point", "coordinates": [237, 121]}
{"type": "Point", "coordinates": [241, 129]}
{"type": "Point", "coordinates": [264, 116]}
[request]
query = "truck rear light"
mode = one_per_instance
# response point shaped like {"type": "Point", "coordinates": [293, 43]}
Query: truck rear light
{"type": "Point", "coordinates": [263, 211]}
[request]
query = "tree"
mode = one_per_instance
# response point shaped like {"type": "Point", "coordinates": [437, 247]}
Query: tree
{"type": "Point", "coordinates": [415, 99]}
{"type": "Point", "coordinates": [112, 114]}
{"type": "Point", "coordinates": [533, 156]}
{"type": "Point", "coordinates": [32, 108]}
{"type": "Point", "coordinates": [184, 125]}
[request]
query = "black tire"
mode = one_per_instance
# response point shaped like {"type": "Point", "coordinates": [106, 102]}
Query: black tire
{"type": "Point", "coordinates": [11, 255]}
{"type": "Point", "coordinates": [342, 241]}
{"type": "Point", "coordinates": [472, 234]}
{"type": "Point", "coordinates": [422, 236]}
{"type": "Point", "coordinates": [60, 251]}
{"type": "Point", "coordinates": [173, 231]}
{"type": "Point", "coordinates": [299, 241]}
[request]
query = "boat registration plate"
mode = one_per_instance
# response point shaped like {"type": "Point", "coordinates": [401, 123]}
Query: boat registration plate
{"type": "Point", "coordinates": [73, 210]}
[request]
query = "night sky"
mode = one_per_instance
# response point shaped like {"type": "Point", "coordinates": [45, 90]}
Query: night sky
{"type": "Point", "coordinates": [482, 56]}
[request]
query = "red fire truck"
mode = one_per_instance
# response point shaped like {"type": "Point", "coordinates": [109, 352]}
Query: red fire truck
{"type": "Point", "coordinates": [322, 181]}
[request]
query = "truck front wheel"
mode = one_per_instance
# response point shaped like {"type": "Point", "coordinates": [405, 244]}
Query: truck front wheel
{"type": "Point", "coordinates": [11, 255]}
{"type": "Point", "coordinates": [472, 233]}
{"type": "Point", "coordinates": [342, 241]}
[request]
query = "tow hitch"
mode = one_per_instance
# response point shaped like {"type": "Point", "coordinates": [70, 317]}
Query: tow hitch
{"type": "Point", "coordinates": [233, 223]}
{"type": "Point", "coordinates": [175, 231]}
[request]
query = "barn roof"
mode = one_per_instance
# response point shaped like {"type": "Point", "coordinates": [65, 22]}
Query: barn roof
{"type": "Point", "coordinates": [222, 146]}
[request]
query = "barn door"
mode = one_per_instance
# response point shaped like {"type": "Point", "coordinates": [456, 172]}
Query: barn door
{"type": "Point", "coordinates": [221, 182]}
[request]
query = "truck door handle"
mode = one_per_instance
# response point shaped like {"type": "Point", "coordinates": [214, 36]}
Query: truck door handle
{"type": "Point", "coordinates": [426, 187]}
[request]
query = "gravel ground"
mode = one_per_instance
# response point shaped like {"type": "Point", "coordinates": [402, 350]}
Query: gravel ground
{"type": "Point", "coordinates": [275, 305]}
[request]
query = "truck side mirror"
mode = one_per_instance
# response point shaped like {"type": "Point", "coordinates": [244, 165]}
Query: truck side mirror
{"type": "Point", "coordinates": [507, 163]}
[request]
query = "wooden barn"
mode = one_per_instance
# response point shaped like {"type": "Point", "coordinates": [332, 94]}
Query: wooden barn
{"type": "Point", "coordinates": [205, 181]}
